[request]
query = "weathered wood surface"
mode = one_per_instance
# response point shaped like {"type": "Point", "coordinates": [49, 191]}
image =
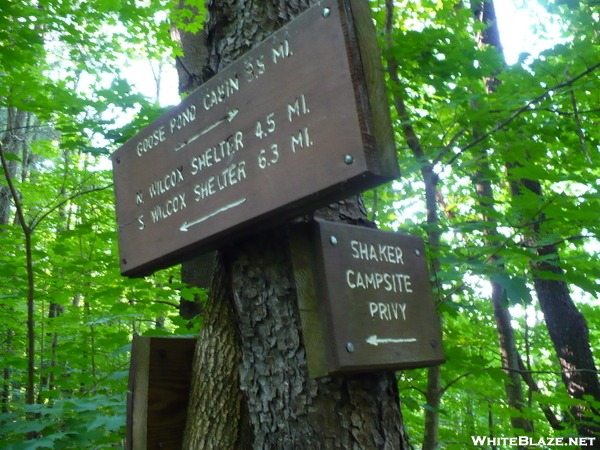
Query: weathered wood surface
{"type": "Point", "coordinates": [252, 342]}
{"type": "Point", "coordinates": [299, 121]}
{"type": "Point", "coordinates": [159, 389]}
{"type": "Point", "coordinates": [365, 299]}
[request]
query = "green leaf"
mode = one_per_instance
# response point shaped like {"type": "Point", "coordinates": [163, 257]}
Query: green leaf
{"type": "Point", "coordinates": [517, 291]}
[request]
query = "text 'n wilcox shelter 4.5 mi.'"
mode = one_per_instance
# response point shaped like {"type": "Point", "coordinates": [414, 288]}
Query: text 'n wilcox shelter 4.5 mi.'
{"type": "Point", "coordinates": [297, 122]}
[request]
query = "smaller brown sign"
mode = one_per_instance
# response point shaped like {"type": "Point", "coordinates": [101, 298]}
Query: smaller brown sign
{"type": "Point", "coordinates": [365, 299]}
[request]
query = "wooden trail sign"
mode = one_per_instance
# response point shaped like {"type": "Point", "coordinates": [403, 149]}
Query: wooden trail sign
{"type": "Point", "coordinates": [297, 122]}
{"type": "Point", "coordinates": [365, 299]}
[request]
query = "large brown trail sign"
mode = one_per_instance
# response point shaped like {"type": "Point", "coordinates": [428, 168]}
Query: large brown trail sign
{"type": "Point", "coordinates": [290, 126]}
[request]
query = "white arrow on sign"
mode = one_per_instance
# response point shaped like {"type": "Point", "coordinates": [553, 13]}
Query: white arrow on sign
{"type": "Point", "coordinates": [228, 118]}
{"type": "Point", "coordinates": [374, 340]}
{"type": "Point", "coordinates": [186, 225]}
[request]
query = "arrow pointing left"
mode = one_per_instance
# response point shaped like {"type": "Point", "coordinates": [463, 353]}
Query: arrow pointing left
{"type": "Point", "coordinates": [374, 340]}
{"type": "Point", "coordinates": [186, 225]}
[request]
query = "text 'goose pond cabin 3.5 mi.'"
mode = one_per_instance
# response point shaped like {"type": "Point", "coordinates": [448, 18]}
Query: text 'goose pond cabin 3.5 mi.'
{"type": "Point", "coordinates": [299, 121]}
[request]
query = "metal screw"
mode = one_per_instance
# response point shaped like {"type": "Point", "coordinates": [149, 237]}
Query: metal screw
{"type": "Point", "coordinates": [333, 240]}
{"type": "Point", "coordinates": [433, 343]}
{"type": "Point", "coordinates": [418, 252]}
{"type": "Point", "coordinates": [326, 12]}
{"type": "Point", "coordinates": [118, 160]}
{"type": "Point", "coordinates": [348, 159]}
{"type": "Point", "coordinates": [124, 260]}
{"type": "Point", "coordinates": [350, 347]}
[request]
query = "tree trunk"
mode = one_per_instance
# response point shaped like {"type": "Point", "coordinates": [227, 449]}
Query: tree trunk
{"type": "Point", "coordinates": [13, 140]}
{"type": "Point", "coordinates": [431, 179]}
{"type": "Point", "coordinates": [506, 334]}
{"type": "Point", "coordinates": [251, 388]}
{"type": "Point", "coordinates": [567, 327]}
{"type": "Point", "coordinates": [484, 11]}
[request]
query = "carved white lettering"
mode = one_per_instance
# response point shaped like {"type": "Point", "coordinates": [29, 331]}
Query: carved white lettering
{"type": "Point", "coordinates": [151, 141]}
{"type": "Point", "coordinates": [182, 119]}
{"type": "Point", "coordinates": [387, 311]}
{"type": "Point", "coordinates": [301, 140]}
{"type": "Point", "coordinates": [233, 174]}
{"type": "Point", "coordinates": [221, 92]}
{"type": "Point", "coordinates": [204, 189]}
{"type": "Point", "coordinates": [282, 51]}
{"type": "Point", "coordinates": [217, 153]}
{"type": "Point", "coordinates": [255, 68]}
{"type": "Point", "coordinates": [391, 282]}
{"type": "Point", "coordinates": [263, 161]}
{"type": "Point", "coordinates": [379, 252]}
{"type": "Point", "coordinates": [139, 198]}
{"type": "Point", "coordinates": [297, 108]}
{"type": "Point", "coordinates": [169, 181]}
{"type": "Point", "coordinates": [167, 209]}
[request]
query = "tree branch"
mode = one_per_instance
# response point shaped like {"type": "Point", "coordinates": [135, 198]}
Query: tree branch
{"type": "Point", "coordinates": [520, 110]}
{"type": "Point", "coordinates": [39, 219]}
{"type": "Point", "coordinates": [445, 388]}
{"type": "Point", "coordinates": [164, 302]}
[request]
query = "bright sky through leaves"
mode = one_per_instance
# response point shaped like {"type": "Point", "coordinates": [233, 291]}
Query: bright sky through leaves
{"type": "Point", "coordinates": [517, 19]}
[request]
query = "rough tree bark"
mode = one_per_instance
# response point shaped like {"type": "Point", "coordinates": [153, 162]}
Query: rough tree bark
{"type": "Point", "coordinates": [250, 386]}
{"type": "Point", "coordinates": [567, 327]}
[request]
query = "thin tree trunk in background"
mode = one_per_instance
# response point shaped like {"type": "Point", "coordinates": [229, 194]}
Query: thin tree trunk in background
{"type": "Point", "coordinates": [567, 327]}
{"type": "Point", "coordinates": [431, 179]}
{"type": "Point", "coordinates": [5, 218]}
{"type": "Point", "coordinates": [13, 137]}
{"type": "Point", "coordinates": [506, 335]}
{"type": "Point", "coordinates": [54, 312]}
{"type": "Point", "coordinates": [250, 386]}
{"type": "Point", "coordinates": [6, 373]}
{"type": "Point", "coordinates": [13, 141]}
{"type": "Point", "coordinates": [30, 390]}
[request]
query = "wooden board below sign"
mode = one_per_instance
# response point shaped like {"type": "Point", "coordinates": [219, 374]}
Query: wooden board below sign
{"type": "Point", "coordinates": [159, 390]}
{"type": "Point", "coordinates": [365, 299]}
{"type": "Point", "coordinates": [299, 121]}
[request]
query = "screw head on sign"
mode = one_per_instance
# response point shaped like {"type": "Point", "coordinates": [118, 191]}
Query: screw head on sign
{"type": "Point", "coordinates": [350, 347]}
{"type": "Point", "coordinates": [418, 252]}
{"type": "Point", "coordinates": [333, 240]}
{"type": "Point", "coordinates": [348, 159]}
{"type": "Point", "coordinates": [326, 12]}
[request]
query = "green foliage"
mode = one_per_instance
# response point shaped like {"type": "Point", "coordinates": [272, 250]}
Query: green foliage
{"type": "Point", "coordinates": [539, 123]}
{"type": "Point", "coordinates": [61, 102]}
